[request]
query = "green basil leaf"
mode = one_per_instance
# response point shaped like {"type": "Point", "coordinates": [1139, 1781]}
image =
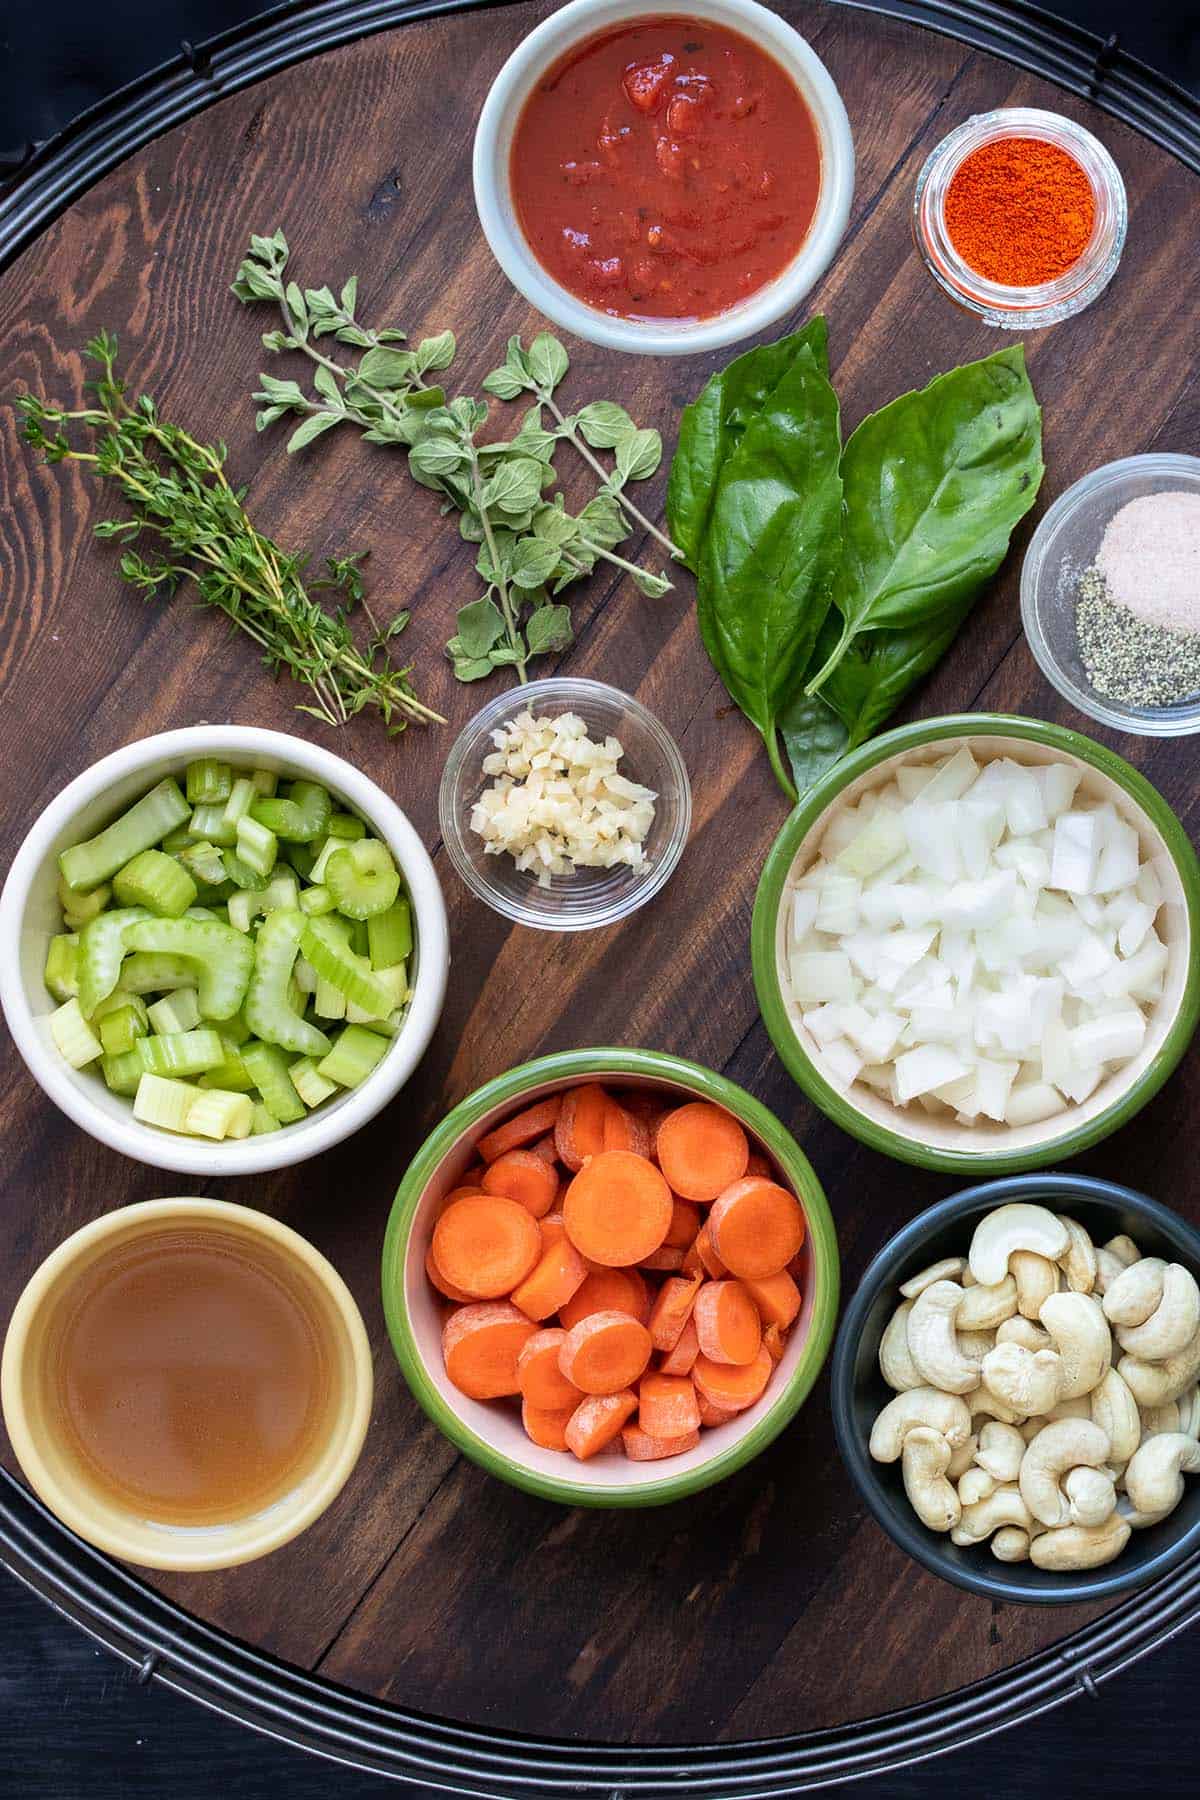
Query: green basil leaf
{"type": "Point", "coordinates": [603, 424]}
{"type": "Point", "coordinates": [638, 454]}
{"type": "Point", "coordinates": [480, 627]}
{"type": "Point", "coordinates": [386, 369]}
{"type": "Point", "coordinates": [934, 485]}
{"type": "Point", "coordinates": [815, 739]}
{"type": "Point", "coordinates": [310, 428]}
{"type": "Point", "coordinates": [546, 361]}
{"type": "Point", "coordinates": [713, 425]}
{"type": "Point", "coordinates": [548, 630]}
{"type": "Point", "coordinates": [880, 667]}
{"type": "Point", "coordinates": [772, 548]}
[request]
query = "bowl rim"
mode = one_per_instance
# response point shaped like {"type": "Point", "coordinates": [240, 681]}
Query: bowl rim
{"type": "Point", "coordinates": [694, 1078]}
{"type": "Point", "coordinates": [198, 1548]}
{"type": "Point", "coordinates": [1171, 465]}
{"type": "Point", "coordinates": [553, 689]}
{"type": "Point", "coordinates": [309, 1136]}
{"type": "Point", "coordinates": [575, 22]}
{"type": "Point", "coordinates": [768, 898]}
{"type": "Point", "coordinates": [1049, 1189]}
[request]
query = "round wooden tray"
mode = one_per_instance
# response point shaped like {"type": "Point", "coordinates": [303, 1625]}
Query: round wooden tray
{"type": "Point", "coordinates": [771, 1606]}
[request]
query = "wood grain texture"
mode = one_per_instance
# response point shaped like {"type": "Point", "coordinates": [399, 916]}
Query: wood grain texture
{"type": "Point", "coordinates": [771, 1604]}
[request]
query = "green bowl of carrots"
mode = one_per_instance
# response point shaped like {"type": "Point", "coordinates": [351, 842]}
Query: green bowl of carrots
{"type": "Point", "coordinates": [555, 1293]}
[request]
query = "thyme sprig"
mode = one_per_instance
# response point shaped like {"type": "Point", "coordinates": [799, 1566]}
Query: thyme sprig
{"type": "Point", "coordinates": [530, 547]}
{"type": "Point", "coordinates": [178, 494]}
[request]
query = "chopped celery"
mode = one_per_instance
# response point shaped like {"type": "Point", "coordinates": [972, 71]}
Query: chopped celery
{"type": "Point", "coordinates": [389, 935]}
{"type": "Point", "coordinates": [262, 1121]}
{"type": "Point", "coordinates": [208, 822]}
{"type": "Point", "coordinates": [224, 958]}
{"type": "Point", "coordinates": [119, 997]}
{"type": "Point", "coordinates": [231, 1072]}
{"type": "Point", "coordinates": [242, 911]}
{"type": "Point", "coordinates": [143, 973]}
{"type": "Point", "coordinates": [181, 1052]}
{"type": "Point", "coordinates": [300, 817]}
{"type": "Point", "coordinates": [122, 1073]}
{"type": "Point", "coordinates": [303, 974]}
{"type": "Point", "coordinates": [242, 874]}
{"type": "Point", "coordinates": [178, 840]}
{"type": "Point", "coordinates": [329, 1002]}
{"type": "Point", "coordinates": [264, 781]}
{"type": "Point", "coordinates": [156, 881]}
{"type": "Point", "coordinates": [268, 1011]}
{"type": "Point", "coordinates": [101, 948]}
{"type": "Point", "coordinates": [160, 1101]}
{"type": "Point", "coordinates": [203, 863]}
{"type": "Point", "coordinates": [267, 1067]}
{"type": "Point", "coordinates": [85, 866]}
{"type": "Point", "coordinates": [312, 1087]}
{"type": "Point", "coordinates": [120, 1029]}
{"type": "Point", "coordinates": [177, 1011]}
{"type": "Point", "coordinates": [235, 1029]}
{"type": "Point", "coordinates": [282, 890]}
{"type": "Point", "coordinates": [394, 982]}
{"type": "Point", "coordinates": [321, 861]}
{"type": "Point", "coordinates": [356, 1052]}
{"type": "Point", "coordinates": [363, 879]}
{"type": "Point", "coordinates": [78, 909]}
{"type": "Point", "coordinates": [256, 846]}
{"type": "Point", "coordinates": [208, 781]}
{"type": "Point", "coordinates": [215, 1113]}
{"type": "Point", "coordinates": [61, 974]}
{"type": "Point", "coordinates": [301, 858]}
{"type": "Point", "coordinates": [347, 826]}
{"type": "Point", "coordinates": [326, 949]}
{"type": "Point", "coordinates": [74, 1038]}
{"type": "Point", "coordinates": [317, 900]}
{"type": "Point", "coordinates": [239, 802]}
{"type": "Point", "coordinates": [360, 943]}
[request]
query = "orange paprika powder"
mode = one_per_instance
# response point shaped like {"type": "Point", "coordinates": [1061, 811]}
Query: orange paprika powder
{"type": "Point", "coordinates": [1019, 211]}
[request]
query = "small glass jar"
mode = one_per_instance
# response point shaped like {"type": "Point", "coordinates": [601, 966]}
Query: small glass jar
{"type": "Point", "coordinates": [1021, 308]}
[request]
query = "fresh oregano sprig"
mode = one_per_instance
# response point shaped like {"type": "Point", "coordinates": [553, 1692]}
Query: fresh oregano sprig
{"type": "Point", "coordinates": [530, 547]}
{"type": "Point", "coordinates": [178, 494]}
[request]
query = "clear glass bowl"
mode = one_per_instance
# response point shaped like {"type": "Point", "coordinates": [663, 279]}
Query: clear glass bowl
{"type": "Point", "coordinates": [589, 897]}
{"type": "Point", "coordinates": [1064, 545]}
{"type": "Point", "coordinates": [1020, 308]}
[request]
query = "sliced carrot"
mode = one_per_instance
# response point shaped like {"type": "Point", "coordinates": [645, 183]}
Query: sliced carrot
{"type": "Point", "coordinates": [464, 1191]}
{"type": "Point", "coordinates": [684, 1226]}
{"type": "Point", "coordinates": [711, 1415]}
{"type": "Point", "coordinates": [691, 1264]}
{"type": "Point", "coordinates": [552, 1229]}
{"type": "Point", "coordinates": [796, 1267]}
{"type": "Point", "coordinates": [472, 1176]}
{"type": "Point", "coordinates": [605, 1352]}
{"type": "Point", "coordinates": [727, 1322]}
{"type": "Point", "coordinates": [667, 1406]}
{"type": "Point", "coordinates": [541, 1380]}
{"type": "Point", "coordinates": [617, 1209]}
{"type": "Point", "coordinates": [579, 1131]}
{"type": "Point", "coordinates": [757, 1164]}
{"type": "Point", "coordinates": [775, 1339]}
{"type": "Point", "coordinates": [608, 1290]}
{"type": "Point", "coordinates": [663, 1261]}
{"type": "Point", "coordinates": [641, 1447]}
{"type": "Point", "coordinates": [641, 1102]}
{"type": "Point", "coordinates": [547, 1150]}
{"type": "Point", "coordinates": [777, 1298]}
{"type": "Point", "coordinates": [440, 1283]}
{"type": "Point", "coordinates": [710, 1262]}
{"type": "Point", "coordinates": [486, 1245]}
{"type": "Point", "coordinates": [596, 1422]}
{"type": "Point", "coordinates": [732, 1386]}
{"type": "Point", "coordinates": [546, 1426]}
{"type": "Point", "coordinates": [687, 1348]}
{"type": "Point", "coordinates": [480, 1347]}
{"type": "Point", "coordinates": [526, 1177]}
{"type": "Point", "coordinates": [521, 1129]}
{"type": "Point", "coordinates": [672, 1309]}
{"type": "Point", "coordinates": [756, 1227]}
{"type": "Point", "coordinates": [552, 1281]}
{"type": "Point", "coordinates": [623, 1130]}
{"type": "Point", "coordinates": [701, 1150]}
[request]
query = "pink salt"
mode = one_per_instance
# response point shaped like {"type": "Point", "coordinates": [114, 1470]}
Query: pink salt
{"type": "Point", "coordinates": [1150, 559]}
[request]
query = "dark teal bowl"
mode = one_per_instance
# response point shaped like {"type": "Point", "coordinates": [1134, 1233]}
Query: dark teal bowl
{"type": "Point", "coordinates": [859, 1392]}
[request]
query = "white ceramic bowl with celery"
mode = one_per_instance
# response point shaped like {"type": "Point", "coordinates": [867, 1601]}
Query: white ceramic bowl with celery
{"type": "Point", "coordinates": [975, 943]}
{"type": "Point", "coordinates": [158, 974]}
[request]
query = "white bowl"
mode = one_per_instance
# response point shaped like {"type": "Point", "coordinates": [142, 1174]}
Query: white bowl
{"type": "Point", "coordinates": [661, 337]}
{"type": "Point", "coordinates": [30, 915]}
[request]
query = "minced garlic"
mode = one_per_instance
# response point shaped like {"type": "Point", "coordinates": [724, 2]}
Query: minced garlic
{"type": "Point", "coordinates": [558, 803]}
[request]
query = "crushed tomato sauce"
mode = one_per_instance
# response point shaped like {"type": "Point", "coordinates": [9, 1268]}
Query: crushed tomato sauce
{"type": "Point", "coordinates": [666, 169]}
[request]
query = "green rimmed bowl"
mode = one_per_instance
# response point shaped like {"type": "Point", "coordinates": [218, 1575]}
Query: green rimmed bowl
{"type": "Point", "coordinates": [490, 1433]}
{"type": "Point", "coordinates": [910, 1134]}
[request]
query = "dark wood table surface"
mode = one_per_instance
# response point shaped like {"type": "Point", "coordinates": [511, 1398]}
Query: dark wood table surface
{"type": "Point", "coordinates": [771, 1604]}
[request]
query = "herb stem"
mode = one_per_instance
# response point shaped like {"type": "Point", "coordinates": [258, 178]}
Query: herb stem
{"type": "Point", "coordinates": [830, 664]}
{"type": "Point", "coordinates": [782, 774]}
{"type": "Point", "coordinates": [515, 640]}
{"type": "Point", "coordinates": [627, 506]}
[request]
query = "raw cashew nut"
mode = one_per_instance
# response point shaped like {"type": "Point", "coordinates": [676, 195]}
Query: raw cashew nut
{"type": "Point", "coordinates": [1081, 1337]}
{"type": "Point", "coordinates": [932, 1342]}
{"type": "Point", "coordinates": [1172, 1324]}
{"type": "Point", "coordinates": [981, 1400]}
{"type": "Point", "coordinates": [1189, 1412]}
{"type": "Point", "coordinates": [984, 1308]}
{"type": "Point", "coordinates": [1037, 1278]}
{"type": "Point", "coordinates": [923, 1465]}
{"type": "Point", "coordinates": [963, 1458]}
{"type": "Point", "coordinates": [895, 1359]}
{"type": "Point", "coordinates": [1154, 1478]}
{"type": "Point", "coordinates": [1000, 1452]}
{"type": "Point", "coordinates": [949, 1269]}
{"type": "Point", "coordinates": [1011, 1544]}
{"type": "Point", "coordinates": [1108, 1269]}
{"type": "Point", "coordinates": [1078, 1261]}
{"type": "Point", "coordinates": [1020, 1330]}
{"type": "Point", "coordinates": [1114, 1410]}
{"type": "Point", "coordinates": [1066, 1444]}
{"type": "Point", "coordinates": [1080, 1546]}
{"type": "Point", "coordinates": [1079, 1406]}
{"type": "Point", "coordinates": [1018, 1226]}
{"type": "Point", "coordinates": [1003, 1506]}
{"type": "Point", "coordinates": [1157, 1419]}
{"type": "Point", "coordinates": [974, 1345]}
{"type": "Point", "coordinates": [1154, 1383]}
{"type": "Point", "coordinates": [944, 1413]}
{"type": "Point", "coordinates": [1027, 1380]}
{"type": "Point", "coordinates": [975, 1485]}
{"type": "Point", "coordinates": [1091, 1495]}
{"type": "Point", "coordinates": [1135, 1293]}
{"type": "Point", "coordinates": [1123, 1248]}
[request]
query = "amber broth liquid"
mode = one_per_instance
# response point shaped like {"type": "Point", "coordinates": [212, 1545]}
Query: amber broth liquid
{"type": "Point", "coordinates": [193, 1376]}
